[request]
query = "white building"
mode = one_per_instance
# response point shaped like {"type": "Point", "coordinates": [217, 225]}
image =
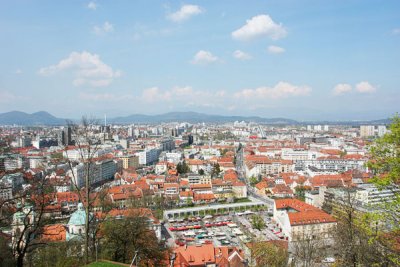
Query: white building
{"type": "Point", "coordinates": [381, 130]}
{"type": "Point", "coordinates": [77, 154]}
{"type": "Point", "coordinates": [99, 171]}
{"type": "Point", "coordinates": [367, 130]}
{"type": "Point", "coordinates": [299, 220]}
{"type": "Point", "coordinates": [148, 156]}
{"type": "Point", "coordinates": [173, 157]}
{"type": "Point", "coordinates": [369, 194]}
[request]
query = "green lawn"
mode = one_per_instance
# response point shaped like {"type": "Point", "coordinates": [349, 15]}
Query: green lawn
{"type": "Point", "coordinates": [242, 200]}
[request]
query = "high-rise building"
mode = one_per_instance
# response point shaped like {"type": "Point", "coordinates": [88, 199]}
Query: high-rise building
{"type": "Point", "coordinates": [381, 130]}
{"type": "Point", "coordinates": [367, 130]}
{"type": "Point", "coordinates": [65, 137]}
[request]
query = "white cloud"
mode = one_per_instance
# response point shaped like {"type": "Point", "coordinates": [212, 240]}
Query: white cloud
{"type": "Point", "coordinates": [105, 28]}
{"type": "Point", "coordinates": [6, 97]}
{"type": "Point", "coordinates": [105, 97]}
{"type": "Point", "coordinates": [280, 90]}
{"type": "Point", "coordinates": [258, 26]}
{"type": "Point", "coordinates": [153, 94]}
{"type": "Point", "coordinates": [183, 96]}
{"type": "Point", "coordinates": [18, 71]}
{"type": "Point", "coordinates": [365, 87]}
{"type": "Point", "coordinates": [92, 5]}
{"type": "Point", "coordinates": [342, 88]}
{"type": "Point", "coordinates": [204, 57]}
{"type": "Point", "coordinates": [241, 55]}
{"type": "Point", "coordinates": [396, 31]}
{"type": "Point", "coordinates": [87, 68]}
{"type": "Point", "coordinates": [272, 49]}
{"type": "Point", "coordinates": [185, 12]}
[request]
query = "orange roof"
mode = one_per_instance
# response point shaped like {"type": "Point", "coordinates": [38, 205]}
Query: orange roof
{"type": "Point", "coordinates": [195, 162]}
{"type": "Point", "coordinates": [331, 151]}
{"type": "Point", "coordinates": [306, 214]}
{"type": "Point", "coordinates": [200, 186]}
{"type": "Point", "coordinates": [171, 185]}
{"type": "Point", "coordinates": [197, 255]}
{"type": "Point", "coordinates": [262, 185]}
{"type": "Point", "coordinates": [208, 196]}
{"type": "Point", "coordinates": [186, 194]}
{"type": "Point", "coordinates": [54, 233]}
{"type": "Point", "coordinates": [67, 197]}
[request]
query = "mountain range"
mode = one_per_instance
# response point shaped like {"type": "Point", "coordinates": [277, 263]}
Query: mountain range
{"type": "Point", "coordinates": [22, 118]}
{"type": "Point", "coordinates": [45, 118]}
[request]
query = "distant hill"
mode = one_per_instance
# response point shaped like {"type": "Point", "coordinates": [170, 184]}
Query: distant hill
{"type": "Point", "coordinates": [45, 118]}
{"type": "Point", "coordinates": [194, 117]}
{"type": "Point", "coordinates": [25, 119]}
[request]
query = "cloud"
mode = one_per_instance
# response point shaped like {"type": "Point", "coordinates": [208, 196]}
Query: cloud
{"type": "Point", "coordinates": [280, 90]}
{"type": "Point", "coordinates": [184, 96]}
{"type": "Point", "coordinates": [105, 97]}
{"type": "Point", "coordinates": [365, 87]}
{"type": "Point", "coordinates": [105, 28]}
{"type": "Point", "coordinates": [342, 88]}
{"type": "Point", "coordinates": [241, 55]}
{"type": "Point", "coordinates": [259, 26]}
{"type": "Point", "coordinates": [272, 49]}
{"type": "Point", "coordinates": [204, 57]}
{"type": "Point", "coordinates": [92, 5]}
{"type": "Point", "coordinates": [396, 31]}
{"type": "Point", "coordinates": [6, 97]}
{"type": "Point", "coordinates": [18, 71]}
{"type": "Point", "coordinates": [88, 69]}
{"type": "Point", "coordinates": [184, 13]}
{"type": "Point", "coordinates": [143, 31]}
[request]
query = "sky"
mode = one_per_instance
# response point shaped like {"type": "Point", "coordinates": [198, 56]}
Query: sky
{"type": "Point", "coordinates": [303, 60]}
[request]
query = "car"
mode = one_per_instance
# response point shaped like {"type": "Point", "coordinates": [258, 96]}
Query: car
{"type": "Point", "coordinates": [329, 260]}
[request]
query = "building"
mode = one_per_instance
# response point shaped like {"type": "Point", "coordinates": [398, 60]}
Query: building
{"type": "Point", "coordinates": [148, 156]}
{"type": "Point", "coordinates": [100, 171]}
{"type": "Point", "coordinates": [367, 130]}
{"type": "Point", "coordinates": [298, 219]}
{"type": "Point", "coordinates": [329, 165]}
{"type": "Point", "coordinates": [381, 130]}
{"type": "Point", "coordinates": [14, 161]}
{"type": "Point", "coordinates": [369, 194]}
{"type": "Point", "coordinates": [14, 180]}
{"type": "Point", "coordinates": [262, 165]}
{"type": "Point", "coordinates": [76, 224]}
{"type": "Point", "coordinates": [207, 255]}
{"type": "Point", "coordinates": [83, 154]}
{"type": "Point", "coordinates": [5, 191]}
{"type": "Point", "coordinates": [129, 161]}
{"type": "Point", "coordinates": [24, 217]}
{"type": "Point", "coordinates": [194, 178]}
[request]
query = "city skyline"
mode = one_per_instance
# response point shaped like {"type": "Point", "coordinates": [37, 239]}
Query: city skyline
{"type": "Point", "coordinates": [321, 61]}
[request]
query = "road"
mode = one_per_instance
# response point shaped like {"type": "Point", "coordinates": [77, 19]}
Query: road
{"type": "Point", "coordinates": [241, 173]}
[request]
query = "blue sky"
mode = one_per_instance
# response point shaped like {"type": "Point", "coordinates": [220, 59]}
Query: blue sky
{"type": "Point", "coordinates": [306, 60]}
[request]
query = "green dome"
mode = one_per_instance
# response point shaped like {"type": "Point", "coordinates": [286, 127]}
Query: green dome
{"type": "Point", "coordinates": [79, 216]}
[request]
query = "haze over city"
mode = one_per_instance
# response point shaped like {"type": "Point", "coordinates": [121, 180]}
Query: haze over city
{"type": "Point", "coordinates": [297, 59]}
{"type": "Point", "coordinates": [227, 133]}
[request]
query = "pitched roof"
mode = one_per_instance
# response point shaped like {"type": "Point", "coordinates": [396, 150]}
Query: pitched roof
{"type": "Point", "coordinates": [306, 214]}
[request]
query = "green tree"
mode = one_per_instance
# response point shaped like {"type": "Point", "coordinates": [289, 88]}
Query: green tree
{"type": "Point", "coordinates": [6, 254]}
{"type": "Point", "coordinates": [385, 165]}
{"type": "Point", "coordinates": [201, 172]}
{"type": "Point", "coordinates": [257, 222]}
{"type": "Point", "coordinates": [62, 254]}
{"type": "Point", "coordinates": [253, 180]}
{"type": "Point", "coordinates": [124, 238]}
{"type": "Point", "coordinates": [267, 254]}
{"type": "Point", "coordinates": [182, 167]}
{"type": "Point", "coordinates": [216, 170]}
